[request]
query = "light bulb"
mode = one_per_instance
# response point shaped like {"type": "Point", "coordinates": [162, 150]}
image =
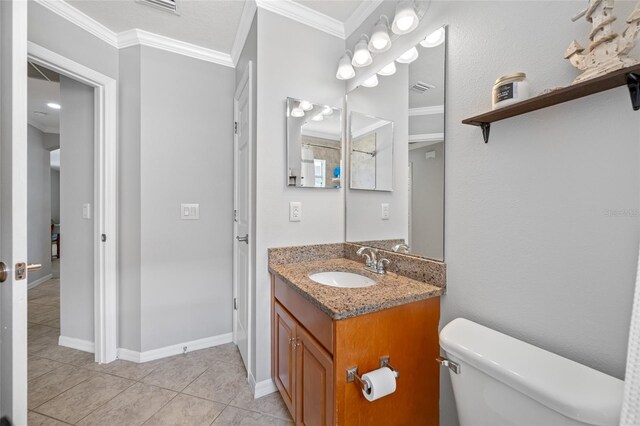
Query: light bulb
{"type": "Point", "coordinates": [297, 112]}
{"type": "Point", "coordinates": [371, 81]}
{"type": "Point", "coordinates": [318, 117]}
{"type": "Point", "coordinates": [327, 110]}
{"type": "Point", "coordinates": [389, 69]}
{"type": "Point", "coordinates": [380, 41]}
{"type": "Point", "coordinates": [434, 39]}
{"type": "Point", "coordinates": [408, 56]}
{"type": "Point", "coordinates": [54, 105]}
{"type": "Point", "coordinates": [306, 105]}
{"type": "Point", "coordinates": [361, 55]}
{"type": "Point", "coordinates": [345, 70]}
{"type": "Point", "coordinates": [406, 19]}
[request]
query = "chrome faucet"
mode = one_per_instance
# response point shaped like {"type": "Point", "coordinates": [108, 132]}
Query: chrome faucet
{"type": "Point", "coordinates": [401, 248]}
{"type": "Point", "coordinates": [372, 263]}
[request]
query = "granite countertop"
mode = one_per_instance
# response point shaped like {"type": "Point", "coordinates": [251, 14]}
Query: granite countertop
{"type": "Point", "coordinates": [340, 303]}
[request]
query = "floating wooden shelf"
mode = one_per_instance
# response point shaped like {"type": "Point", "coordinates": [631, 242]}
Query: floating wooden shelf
{"type": "Point", "coordinates": [628, 76]}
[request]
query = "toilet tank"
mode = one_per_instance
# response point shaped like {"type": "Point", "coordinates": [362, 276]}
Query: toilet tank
{"type": "Point", "coordinates": [505, 381]}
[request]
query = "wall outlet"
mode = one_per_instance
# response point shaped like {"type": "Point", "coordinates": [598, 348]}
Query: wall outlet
{"type": "Point", "coordinates": [189, 211]}
{"type": "Point", "coordinates": [86, 211]}
{"type": "Point", "coordinates": [295, 211]}
{"type": "Point", "coordinates": [385, 211]}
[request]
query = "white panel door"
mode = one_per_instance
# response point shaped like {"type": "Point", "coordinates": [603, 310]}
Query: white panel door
{"type": "Point", "coordinates": [13, 210]}
{"type": "Point", "coordinates": [243, 241]}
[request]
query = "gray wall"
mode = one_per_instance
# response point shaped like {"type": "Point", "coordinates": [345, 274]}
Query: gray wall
{"type": "Point", "coordinates": [55, 195]}
{"type": "Point", "coordinates": [76, 188]}
{"type": "Point", "coordinates": [186, 156]}
{"type": "Point", "coordinates": [38, 204]}
{"type": "Point", "coordinates": [530, 246]}
{"type": "Point", "coordinates": [301, 67]}
{"type": "Point", "coordinates": [427, 201]}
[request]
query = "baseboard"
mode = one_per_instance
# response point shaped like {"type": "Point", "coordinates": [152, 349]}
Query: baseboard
{"type": "Point", "coordinates": [39, 281]}
{"type": "Point", "coordinates": [262, 388]}
{"type": "Point", "coordinates": [167, 351]}
{"type": "Point", "coordinates": [79, 344]}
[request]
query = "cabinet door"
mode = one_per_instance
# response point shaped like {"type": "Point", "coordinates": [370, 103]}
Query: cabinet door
{"type": "Point", "coordinates": [284, 345]}
{"type": "Point", "coordinates": [314, 382]}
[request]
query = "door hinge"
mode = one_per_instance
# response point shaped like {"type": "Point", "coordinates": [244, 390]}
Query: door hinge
{"type": "Point", "coordinates": [235, 304]}
{"type": "Point", "coordinates": [103, 238]}
{"type": "Point", "coordinates": [235, 215]}
{"type": "Point", "coordinates": [235, 127]}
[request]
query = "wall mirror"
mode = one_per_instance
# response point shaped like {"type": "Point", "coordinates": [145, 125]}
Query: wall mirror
{"type": "Point", "coordinates": [371, 152]}
{"type": "Point", "coordinates": [314, 145]}
{"type": "Point", "coordinates": [408, 215]}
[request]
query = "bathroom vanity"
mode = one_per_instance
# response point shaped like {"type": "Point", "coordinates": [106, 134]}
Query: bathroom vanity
{"type": "Point", "coordinates": [319, 332]}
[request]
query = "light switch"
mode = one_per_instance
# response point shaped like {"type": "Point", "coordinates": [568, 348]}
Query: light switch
{"type": "Point", "coordinates": [295, 211]}
{"type": "Point", "coordinates": [385, 211]}
{"type": "Point", "coordinates": [86, 211]}
{"type": "Point", "coordinates": [189, 211]}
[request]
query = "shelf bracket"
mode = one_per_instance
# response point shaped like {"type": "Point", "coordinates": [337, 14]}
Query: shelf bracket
{"type": "Point", "coordinates": [633, 83]}
{"type": "Point", "coordinates": [486, 128]}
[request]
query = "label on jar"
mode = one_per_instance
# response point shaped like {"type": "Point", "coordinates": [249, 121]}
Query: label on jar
{"type": "Point", "coordinates": [506, 91]}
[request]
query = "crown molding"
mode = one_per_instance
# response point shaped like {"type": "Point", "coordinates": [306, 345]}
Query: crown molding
{"type": "Point", "coordinates": [244, 27]}
{"type": "Point", "coordinates": [430, 110]}
{"type": "Point", "coordinates": [430, 138]}
{"type": "Point", "coordinates": [301, 13]}
{"type": "Point", "coordinates": [42, 128]}
{"type": "Point", "coordinates": [80, 19]}
{"type": "Point", "coordinates": [135, 36]}
{"type": "Point", "coordinates": [144, 38]}
{"type": "Point", "coordinates": [359, 15]}
{"type": "Point", "coordinates": [370, 128]}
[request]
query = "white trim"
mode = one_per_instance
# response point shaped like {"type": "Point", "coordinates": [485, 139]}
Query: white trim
{"type": "Point", "coordinates": [430, 110]}
{"type": "Point", "coordinates": [82, 20]}
{"type": "Point", "coordinates": [427, 137]}
{"type": "Point", "coordinates": [244, 27]}
{"type": "Point", "coordinates": [140, 37]}
{"type": "Point", "coordinates": [262, 388]}
{"type": "Point", "coordinates": [359, 15]}
{"type": "Point", "coordinates": [39, 281]}
{"type": "Point", "coordinates": [304, 15]}
{"type": "Point", "coordinates": [79, 344]}
{"type": "Point", "coordinates": [167, 351]}
{"type": "Point", "coordinates": [105, 194]}
{"type": "Point", "coordinates": [135, 36]}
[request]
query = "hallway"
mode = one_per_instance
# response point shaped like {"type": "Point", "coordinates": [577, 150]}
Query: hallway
{"type": "Point", "coordinates": [205, 387]}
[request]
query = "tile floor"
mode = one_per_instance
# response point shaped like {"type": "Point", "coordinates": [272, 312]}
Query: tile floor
{"type": "Point", "coordinates": [206, 387]}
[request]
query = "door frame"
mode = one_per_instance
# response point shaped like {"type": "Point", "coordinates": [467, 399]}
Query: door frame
{"type": "Point", "coordinates": [105, 194]}
{"type": "Point", "coordinates": [247, 78]}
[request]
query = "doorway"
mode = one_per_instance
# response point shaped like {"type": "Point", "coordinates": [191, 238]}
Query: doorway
{"type": "Point", "coordinates": [97, 211]}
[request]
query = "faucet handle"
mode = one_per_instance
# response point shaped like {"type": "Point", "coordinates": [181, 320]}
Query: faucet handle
{"type": "Point", "coordinates": [383, 263]}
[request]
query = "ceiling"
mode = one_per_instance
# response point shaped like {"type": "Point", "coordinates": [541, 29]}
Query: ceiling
{"type": "Point", "coordinates": [39, 93]}
{"type": "Point", "coordinates": [211, 24]}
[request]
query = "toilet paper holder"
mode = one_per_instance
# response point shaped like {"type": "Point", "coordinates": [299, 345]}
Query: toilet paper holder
{"type": "Point", "coordinates": [353, 376]}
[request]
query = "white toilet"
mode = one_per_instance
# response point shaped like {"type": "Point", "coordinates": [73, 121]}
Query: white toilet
{"type": "Point", "coordinates": [505, 381]}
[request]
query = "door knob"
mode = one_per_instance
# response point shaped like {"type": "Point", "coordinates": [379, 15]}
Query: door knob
{"type": "Point", "coordinates": [4, 272]}
{"type": "Point", "coordinates": [244, 239]}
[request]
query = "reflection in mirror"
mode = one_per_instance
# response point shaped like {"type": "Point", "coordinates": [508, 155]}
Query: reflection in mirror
{"type": "Point", "coordinates": [410, 219]}
{"type": "Point", "coordinates": [371, 156]}
{"type": "Point", "coordinates": [314, 144]}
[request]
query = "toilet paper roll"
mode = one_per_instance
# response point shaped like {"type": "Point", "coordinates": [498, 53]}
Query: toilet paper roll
{"type": "Point", "coordinates": [382, 382]}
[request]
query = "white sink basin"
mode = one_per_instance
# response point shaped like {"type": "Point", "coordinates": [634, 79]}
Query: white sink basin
{"type": "Point", "coordinates": [342, 279]}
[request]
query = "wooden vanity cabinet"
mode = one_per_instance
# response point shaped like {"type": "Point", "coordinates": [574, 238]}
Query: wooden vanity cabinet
{"type": "Point", "coordinates": [311, 353]}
